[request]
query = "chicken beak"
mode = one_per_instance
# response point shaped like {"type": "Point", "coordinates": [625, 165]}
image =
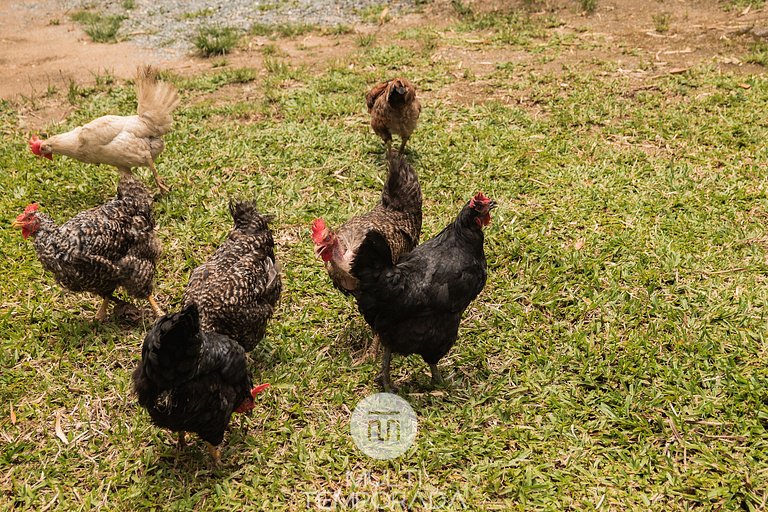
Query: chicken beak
{"type": "Point", "coordinates": [400, 90]}
{"type": "Point", "coordinates": [16, 224]}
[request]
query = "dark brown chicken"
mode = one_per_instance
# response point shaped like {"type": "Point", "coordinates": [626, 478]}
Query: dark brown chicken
{"type": "Point", "coordinates": [397, 216]}
{"type": "Point", "coordinates": [101, 249]}
{"type": "Point", "coordinates": [238, 287]}
{"type": "Point", "coordinates": [394, 109]}
{"type": "Point", "coordinates": [192, 381]}
{"type": "Point", "coordinates": [122, 141]}
{"type": "Point", "coordinates": [415, 305]}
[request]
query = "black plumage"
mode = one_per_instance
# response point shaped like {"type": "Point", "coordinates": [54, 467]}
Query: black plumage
{"type": "Point", "coordinates": [192, 381]}
{"type": "Point", "coordinates": [101, 249]}
{"type": "Point", "coordinates": [415, 305]}
{"type": "Point", "coordinates": [237, 289]}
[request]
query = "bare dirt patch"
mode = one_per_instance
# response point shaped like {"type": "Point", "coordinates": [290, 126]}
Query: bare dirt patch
{"type": "Point", "coordinates": [43, 51]}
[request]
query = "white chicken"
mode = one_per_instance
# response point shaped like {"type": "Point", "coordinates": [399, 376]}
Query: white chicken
{"type": "Point", "coordinates": [122, 141]}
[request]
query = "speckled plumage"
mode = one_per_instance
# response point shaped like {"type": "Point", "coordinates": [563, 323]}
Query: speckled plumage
{"type": "Point", "coordinates": [238, 287]}
{"type": "Point", "coordinates": [103, 248]}
{"type": "Point", "coordinates": [397, 216]}
{"type": "Point", "coordinates": [189, 380]}
{"type": "Point", "coordinates": [394, 109]}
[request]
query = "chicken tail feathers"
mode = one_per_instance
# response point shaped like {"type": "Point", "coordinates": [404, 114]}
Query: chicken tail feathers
{"type": "Point", "coordinates": [156, 99]}
{"type": "Point", "coordinates": [401, 191]}
{"type": "Point", "coordinates": [372, 258]}
{"type": "Point", "coordinates": [245, 213]}
{"type": "Point", "coordinates": [171, 349]}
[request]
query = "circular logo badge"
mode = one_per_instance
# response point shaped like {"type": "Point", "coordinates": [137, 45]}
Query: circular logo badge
{"type": "Point", "coordinates": [383, 426]}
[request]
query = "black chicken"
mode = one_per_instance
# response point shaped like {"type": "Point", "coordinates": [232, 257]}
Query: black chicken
{"type": "Point", "coordinates": [415, 305]}
{"type": "Point", "coordinates": [238, 287]}
{"type": "Point", "coordinates": [192, 381]}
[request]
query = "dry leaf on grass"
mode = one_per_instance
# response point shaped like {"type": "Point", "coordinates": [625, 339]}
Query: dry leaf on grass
{"type": "Point", "coordinates": [59, 432]}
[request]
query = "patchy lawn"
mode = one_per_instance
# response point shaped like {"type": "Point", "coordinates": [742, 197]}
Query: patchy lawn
{"type": "Point", "coordinates": [615, 360]}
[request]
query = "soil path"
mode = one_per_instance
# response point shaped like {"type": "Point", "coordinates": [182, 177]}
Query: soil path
{"type": "Point", "coordinates": [42, 50]}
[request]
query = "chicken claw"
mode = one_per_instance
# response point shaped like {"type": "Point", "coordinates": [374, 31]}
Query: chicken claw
{"type": "Point", "coordinates": [215, 453]}
{"type": "Point", "coordinates": [155, 306]}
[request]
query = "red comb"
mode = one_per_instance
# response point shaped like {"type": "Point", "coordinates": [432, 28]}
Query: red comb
{"type": "Point", "coordinates": [318, 226]}
{"type": "Point", "coordinates": [258, 389]}
{"type": "Point", "coordinates": [479, 198]}
{"type": "Point", "coordinates": [34, 144]}
{"type": "Point", "coordinates": [32, 207]}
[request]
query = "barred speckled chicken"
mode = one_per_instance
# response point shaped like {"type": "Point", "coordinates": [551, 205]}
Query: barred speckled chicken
{"type": "Point", "coordinates": [101, 249]}
{"type": "Point", "coordinates": [237, 289]}
{"type": "Point", "coordinates": [192, 381]}
{"type": "Point", "coordinates": [394, 109]}
{"type": "Point", "coordinates": [397, 216]}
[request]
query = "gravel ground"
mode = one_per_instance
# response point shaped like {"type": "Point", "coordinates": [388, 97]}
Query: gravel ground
{"type": "Point", "coordinates": [171, 25]}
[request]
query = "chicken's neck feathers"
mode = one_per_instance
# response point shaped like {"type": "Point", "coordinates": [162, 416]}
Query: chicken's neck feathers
{"type": "Point", "coordinates": [67, 144]}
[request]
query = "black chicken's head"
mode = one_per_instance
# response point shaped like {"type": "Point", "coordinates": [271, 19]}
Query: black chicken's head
{"type": "Point", "coordinates": [481, 206]}
{"type": "Point", "coordinates": [249, 403]}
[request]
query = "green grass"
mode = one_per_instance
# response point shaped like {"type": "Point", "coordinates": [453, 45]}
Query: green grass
{"type": "Point", "coordinates": [100, 28]}
{"type": "Point", "coordinates": [212, 41]}
{"type": "Point", "coordinates": [284, 30]}
{"type": "Point", "coordinates": [589, 6]}
{"type": "Point", "coordinates": [201, 13]}
{"type": "Point", "coordinates": [758, 54]}
{"type": "Point", "coordinates": [616, 359]}
{"type": "Point", "coordinates": [661, 22]}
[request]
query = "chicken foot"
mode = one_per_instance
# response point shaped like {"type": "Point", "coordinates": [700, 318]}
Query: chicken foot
{"type": "Point", "coordinates": [155, 306]}
{"type": "Point", "coordinates": [215, 453]}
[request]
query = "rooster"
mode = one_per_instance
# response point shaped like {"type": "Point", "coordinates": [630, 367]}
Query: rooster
{"type": "Point", "coordinates": [238, 287]}
{"type": "Point", "coordinates": [100, 249]}
{"type": "Point", "coordinates": [394, 108]}
{"type": "Point", "coordinates": [121, 141]}
{"type": "Point", "coordinates": [415, 305]}
{"type": "Point", "coordinates": [192, 381]}
{"type": "Point", "coordinates": [397, 217]}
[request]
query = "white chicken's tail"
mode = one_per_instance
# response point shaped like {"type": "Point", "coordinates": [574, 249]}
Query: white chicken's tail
{"type": "Point", "coordinates": [156, 99]}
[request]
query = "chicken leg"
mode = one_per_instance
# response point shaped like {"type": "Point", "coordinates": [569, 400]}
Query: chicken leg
{"type": "Point", "coordinates": [101, 314]}
{"type": "Point", "coordinates": [160, 183]}
{"type": "Point", "coordinates": [215, 453]}
{"type": "Point", "coordinates": [155, 306]}
{"type": "Point", "coordinates": [182, 440]}
{"type": "Point", "coordinates": [384, 378]}
{"type": "Point", "coordinates": [402, 144]}
{"type": "Point", "coordinates": [437, 379]}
